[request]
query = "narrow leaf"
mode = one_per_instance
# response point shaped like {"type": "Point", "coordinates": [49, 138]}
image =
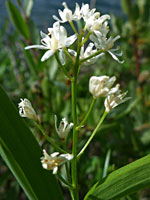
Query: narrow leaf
{"type": "Point", "coordinates": [124, 181]}
{"type": "Point", "coordinates": [22, 153]}
{"type": "Point", "coordinates": [17, 19]}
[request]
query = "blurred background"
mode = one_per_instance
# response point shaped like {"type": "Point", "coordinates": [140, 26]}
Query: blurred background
{"type": "Point", "coordinates": [125, 135]}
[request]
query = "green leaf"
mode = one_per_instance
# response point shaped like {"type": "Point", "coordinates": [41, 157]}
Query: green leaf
{"type": "Point", "coordinates": [17, 19]}
{"type": "Point", "coordinates": [22, 153]}
{"type": "Point", "coordinates": [126, 180]}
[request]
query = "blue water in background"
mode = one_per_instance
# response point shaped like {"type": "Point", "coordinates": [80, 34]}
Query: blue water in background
{"type": "Point", "coordinates": [44, 9]}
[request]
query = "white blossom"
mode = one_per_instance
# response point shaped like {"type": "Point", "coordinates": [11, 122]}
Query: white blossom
{"type": "Point", "coordinates": [66, 15]}
{"type": "Point", "coordinates": [26, 109]}
{"type": "Point", "coordinates": [115, 98]}
{"type": "Point", "coordinates": [86, 12]}
{"type": "Point", "coordinates": [64, 128]}
{"type": "Point", "coordinates": [99, 86]}
{"type": "Point", "coordinates": [51, 162]}
{"type": "Point", "coordinates": [93, 20]}
{"type": "Point", "coordinates": [106, 44]}
{"type": "Point", "coordinates": [56, 40]}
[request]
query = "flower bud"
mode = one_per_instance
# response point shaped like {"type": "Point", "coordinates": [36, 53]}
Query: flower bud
{"type": "Point", "coordinates": [26, 110]}
{"type": "Point", "coordinates": [64, 128]}
{"type": "Point", "coordinates": [100, 86]}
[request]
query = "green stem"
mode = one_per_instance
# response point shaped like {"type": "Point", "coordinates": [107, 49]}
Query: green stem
{"type": "Point", "coordinates": [93, 134]}
{"type": "Point", "coordinates": [74, 147]}
{"type": "Point", "coordinates": [93, 55]}
{"type": "Point", "coordinates": [88, 113]}
{"type": "Point", "coordinates": [73, 27]}
{"type": "Point", "coordinates": [75, 194]}
{"type": "Point", "coordinates": [50, 140]}
{"type": "Point", "coordinates": [68, 54]}
{"type": "Point", "coordinates": [62, 67]}
{"type": "Point", "coordinates": [86, 38]}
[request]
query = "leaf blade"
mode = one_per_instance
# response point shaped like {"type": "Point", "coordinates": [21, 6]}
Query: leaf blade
{"type": "Point", "coordinates": [19, 148]}
{"type": "Point", "coordinates": [126, 180]}
{"type": "Point", "coordinates": [17, 20]}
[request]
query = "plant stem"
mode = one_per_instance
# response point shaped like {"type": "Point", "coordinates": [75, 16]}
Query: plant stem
{"type": "Point", "coordinates": [86, 38]}
{"type": "Point", "coordinates": [62, 67]}
{"type": "Point", "coordinates": [50, 140]}
{"type": "Point", "coordinates": [93, 55]}
{"type": "Point", "coordinates": [74, 147]}
{"type": "Point", "coordinates": [86, 116]}
{"type": "Point", "coordinates": [68, 54]}
{"type": "Point", "coordinates": [93, 134]}
{"type": "Point", "coordinates": [75, 194]}
{"type": "Point", "coordinates": [73, 27]}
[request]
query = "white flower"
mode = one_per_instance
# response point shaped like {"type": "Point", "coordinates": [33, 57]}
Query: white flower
{"type": "Point", "coordinates": [93, 20]}
{"type": "Point", "coordinates": [64, 128]}
{"type": "Point", "coordinates": [56, 40]}
{"type": "Point", "coordinates": [100, 86]}
{"type": "Point", "coordinates": [86, 12]}
{"type": "Point", "coordinates": [26, 110]}
{"type": "Point", "coordinates": [94, 23]}
{"type": "Point", "coordinates": [51, 162]}
{"type": "Point", "coordinates": [66, 15]}
{"type": "Point", "coordinates": [106, 44]}
{"type": "Point", "coordinates": [115, 98]}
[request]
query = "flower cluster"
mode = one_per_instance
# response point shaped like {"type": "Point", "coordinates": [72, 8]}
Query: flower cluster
{"type": "Point", "coordinates": [94, 23]}
{"type": "Point", "coordinates": [56, 42]}
{"type": "Point", "coordinates": [102, 87]}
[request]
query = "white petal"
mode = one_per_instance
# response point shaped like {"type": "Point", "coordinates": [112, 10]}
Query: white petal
{"type": "Point", "coordinates": [35, 47]}
{"type": "Point", "coordinates": [43, 35]}
{"type": "Point", "coordinates": [70, 40]}
{"type": "Point", "coordinates": [115, 57]}
{"type": "Point", "coordinates": [53, 155]}
{"type": "Point", "coordinates": [55, 170]}
{"type": "Point", "coordinates": [67, 156]}
{"type": "Point", "coordinates": [72, 52]}
{"type": "Point", "coordinates": [57, 19]}
{"type": "Point", "coordinates": [47, 55]}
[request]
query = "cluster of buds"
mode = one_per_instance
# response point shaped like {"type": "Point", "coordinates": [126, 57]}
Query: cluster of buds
{"type": "Point", "coordinates": [94, 23]}
{"type": "Point", "coordinates": [102, 87]}
{"type": "Point", "coordinates": [51, 162]}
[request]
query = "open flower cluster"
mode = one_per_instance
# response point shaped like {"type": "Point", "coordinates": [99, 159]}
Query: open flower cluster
{"type": "Point", "coordinates": [56, 42]}
{"type": "Point", "coordinates": [95, 26]}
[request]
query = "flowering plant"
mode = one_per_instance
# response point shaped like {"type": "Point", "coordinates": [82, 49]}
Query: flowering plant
{"type": "Point", "coordinates": [56, 42]}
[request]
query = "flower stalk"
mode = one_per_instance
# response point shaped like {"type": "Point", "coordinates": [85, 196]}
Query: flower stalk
{"type": "Point", "coordinates": [93, 134]}
{"type": "Point", "coordinates": [87, 114]}
{"type": "Point", "coordinates": [49, 139]}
